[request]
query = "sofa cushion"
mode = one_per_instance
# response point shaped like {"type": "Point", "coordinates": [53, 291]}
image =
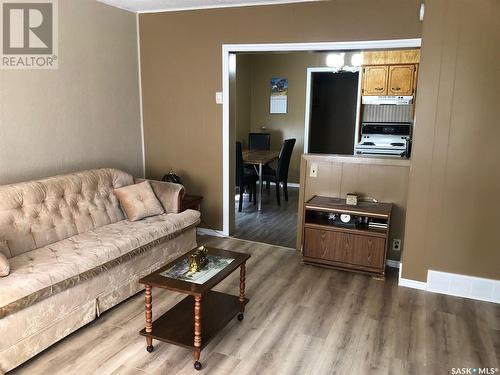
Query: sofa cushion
{"type": "Point", "coordinates": [40, 273]}
{"type": "Point", "coordinates": [169, 194]}
{"type": "Point", "coordinates": [139, 201]}
{"type": "Point", "coordinates": [4, 266]}
{"type": "Point", "coordinates": [37, 213]}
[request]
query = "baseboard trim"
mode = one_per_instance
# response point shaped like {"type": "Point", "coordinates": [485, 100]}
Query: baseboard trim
{"type": "Point", "coordinates": [452, 284]}
{"type": "Point", "coordinates": [216, 233]}
{"type": "Point", "coordinates": [210, 232]}
{"type": "Point", "coordinates": [414, 284]}
{"type": "Point", "coordinates": [392, 263]}
{"type": "Point", "coordinates": [263, 243]}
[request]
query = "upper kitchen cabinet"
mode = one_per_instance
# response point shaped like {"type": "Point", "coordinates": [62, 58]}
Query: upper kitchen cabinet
{"type": "Point", "coordinates": [375, 79]}
{"type": "Point", "coordinates": [395, 57]}
{"type": "Point", "coordinates": [401, 80]}
{"type": "Point", "coordinates": [391, 80]}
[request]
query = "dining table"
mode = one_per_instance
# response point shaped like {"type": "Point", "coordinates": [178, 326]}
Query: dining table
{"type": "Point", "coordinates": [259, 158]}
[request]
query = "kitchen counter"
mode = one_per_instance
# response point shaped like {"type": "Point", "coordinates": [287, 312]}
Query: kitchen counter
{"type": "Point", "coordinates": [358, 159]}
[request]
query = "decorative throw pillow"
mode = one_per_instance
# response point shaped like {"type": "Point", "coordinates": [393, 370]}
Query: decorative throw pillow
{"type": "Point", "coordinates": [4, 265]}
{"type": "Point", "coordinates": [139, 201]}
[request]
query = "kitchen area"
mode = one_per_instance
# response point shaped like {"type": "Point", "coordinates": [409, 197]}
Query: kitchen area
{"type": "Point", "coordinates": [377, 135]}
{"type": "Point", "coordinates": [388, 103]}
{"type": "Point", "coordinates": [363, 109]}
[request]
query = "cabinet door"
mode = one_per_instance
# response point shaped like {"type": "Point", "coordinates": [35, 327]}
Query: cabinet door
{"type": "Point", "coordinates": [401, 79]}
{"type": "Point", "coordinates": [351, 250]}
{"type": "Point", "coordinates": [375, 80]}
{"type": "Point", "coordinates": [369, 252]}
{"type": "Point", "coordinates": [325, 244]}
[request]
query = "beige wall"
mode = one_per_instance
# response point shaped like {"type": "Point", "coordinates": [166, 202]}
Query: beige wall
{"type": "Point", "coordinates": [86, 113]}
{"type": "Point", "coordinates": [455, 175]}
{"type": "Point", "coordinates": [243, 104]}
{"type": "Point", "coordinates": [384, 179]}
{"type": "Point", "coordinates": [181, 71]}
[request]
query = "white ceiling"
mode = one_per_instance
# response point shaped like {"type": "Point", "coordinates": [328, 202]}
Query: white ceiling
{"type": "Point", "coordinates": [150, 6]}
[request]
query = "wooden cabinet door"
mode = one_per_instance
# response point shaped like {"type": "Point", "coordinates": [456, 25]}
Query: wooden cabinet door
{"type": "Point", "coordinates": [325, 244]}
{"type": "Point", "coordinates": [352, 250]}
{"type": "Point", "coordinates": [401, 79]}
{"type": "Point", "coordinates": [375, 80]}
{"type": "Point", "coordinates": [369, 251]}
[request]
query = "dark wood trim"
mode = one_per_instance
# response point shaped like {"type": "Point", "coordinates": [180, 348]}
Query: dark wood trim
{"type": "Point", "coordinates": [182, 193]}
{"type": "Point", "coordinates": [371, 233]}
{"type": "Point", "coordinates": [330, 204]}
{"type": "Point", "coordinates": [192, 202]}
{"type": "Point", "coordinates": [242, 298]}
{"type": "Point", "coordinates": [158, 281]}
{"type": "Point", "coordinates": [177, 325]}
{"type": "Point", "coordinates": [347, 211]}
{"type": "Point", "coordinates": [343, 266]}
{"type": "Point", "coordinates": [328, 244]}
{"type": "Point", "coordinates": [190, 323]}
{"type": "Point", "coordinates": [197, 327]}
{"type": "Point", "coordinates": [149, 316]}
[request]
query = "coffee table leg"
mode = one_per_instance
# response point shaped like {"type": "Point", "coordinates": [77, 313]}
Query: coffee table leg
{"type": "Point", "coordinates": [197, 332]}
{"type": "Point", "coordinates": [242, 292]}
{"type": "Point", "coordinates": [149, 317]}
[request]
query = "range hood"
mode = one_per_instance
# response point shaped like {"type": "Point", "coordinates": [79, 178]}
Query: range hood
{"type": "Point", "coordinates": [390, 100]}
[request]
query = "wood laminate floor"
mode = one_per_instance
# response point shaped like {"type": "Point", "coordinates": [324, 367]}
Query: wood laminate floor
{"type": "Point", "coordinates": [276, 225]}
{"type": "Point", "coordinates": [301, 319]}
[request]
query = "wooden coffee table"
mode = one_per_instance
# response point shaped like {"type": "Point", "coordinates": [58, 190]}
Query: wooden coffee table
{"type": "Point", "coordinates": [194, 321]}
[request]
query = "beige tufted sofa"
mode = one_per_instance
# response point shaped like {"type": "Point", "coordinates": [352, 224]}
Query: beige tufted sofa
{"type": "Point", "coordinates": [73, 254]}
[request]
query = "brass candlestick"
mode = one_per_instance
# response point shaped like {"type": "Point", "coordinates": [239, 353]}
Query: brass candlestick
{"type": "Point", "coordinates": [198, 259]}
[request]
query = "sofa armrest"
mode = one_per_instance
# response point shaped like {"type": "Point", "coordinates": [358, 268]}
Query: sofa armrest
{"type": "Point", "coordinates": [170, 195]}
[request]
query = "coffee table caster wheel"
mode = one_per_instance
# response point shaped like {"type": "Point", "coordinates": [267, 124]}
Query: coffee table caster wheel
{"type": "Point", "coordinates": [197, 365]}
{"type": "Point", "coordinates": [149, 348]}
{"type": "Point", "coordinates": [240, 316]}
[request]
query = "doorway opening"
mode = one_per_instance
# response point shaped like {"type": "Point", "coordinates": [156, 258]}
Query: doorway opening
{"type": "Point", "coordinates": [334, 98]}
{"type": "Point", "coordinates": [267, 105]}
{"type": "Point", "coordinates": [229, 68]}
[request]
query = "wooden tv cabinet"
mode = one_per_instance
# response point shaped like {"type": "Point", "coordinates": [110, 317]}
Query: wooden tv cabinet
{"type": "Point", "coordinates": [357, 246]}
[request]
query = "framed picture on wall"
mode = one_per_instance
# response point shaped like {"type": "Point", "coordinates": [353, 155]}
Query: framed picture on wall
{"type": "Point", "coordinates": [279, 96]}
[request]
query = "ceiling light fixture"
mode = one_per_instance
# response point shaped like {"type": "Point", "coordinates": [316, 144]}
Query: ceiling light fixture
{"type": "Point", "coordinates": [357, 59]}
{"type": "Point", "coordinates": [335, 60]}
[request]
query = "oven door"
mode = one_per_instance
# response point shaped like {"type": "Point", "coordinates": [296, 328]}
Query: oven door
{"type": "Point", "coordinates": [401, 129]}
{"type": "Point", "coordinates": [380, 151]}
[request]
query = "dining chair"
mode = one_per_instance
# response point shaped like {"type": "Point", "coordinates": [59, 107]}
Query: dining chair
{"type": "Point", "coordinates": [244, 178]}
{"type": "Point", "coordinates": [259, 141]}
{"type": "Point", "coordinates": [280, 175]}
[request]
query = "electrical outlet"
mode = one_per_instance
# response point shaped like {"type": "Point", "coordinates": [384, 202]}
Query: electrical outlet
{"type": "Point", "coordinates": [314, 170]}
{"type": "Point", "coordinates": [396, 244]}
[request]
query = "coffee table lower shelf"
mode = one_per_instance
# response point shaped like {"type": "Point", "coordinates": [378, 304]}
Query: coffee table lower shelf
{"type": "Point", "coordinates": [176, 326]}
